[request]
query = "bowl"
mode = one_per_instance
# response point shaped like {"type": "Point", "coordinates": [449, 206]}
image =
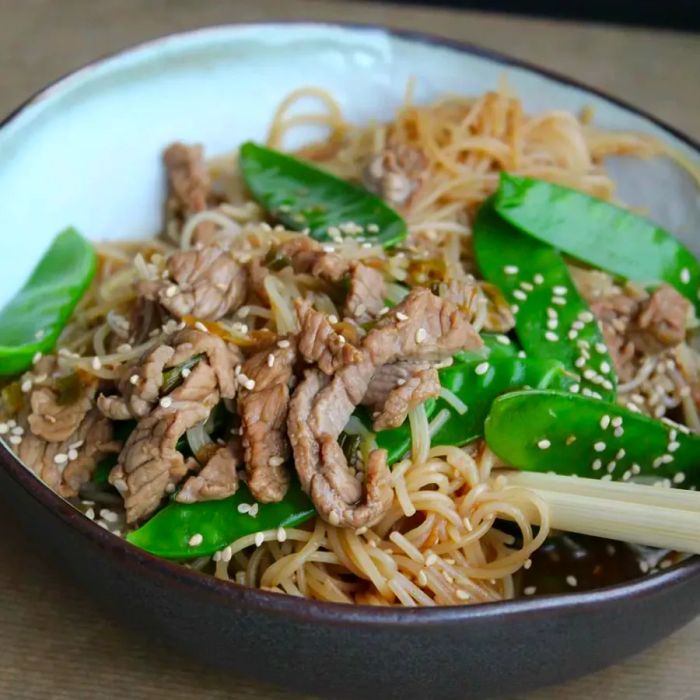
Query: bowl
{"type": "Point", "coordinates": [86, 151]}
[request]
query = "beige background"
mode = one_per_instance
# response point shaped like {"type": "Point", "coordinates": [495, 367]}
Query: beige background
{"type": "Point", "coordinates": [55, 643]}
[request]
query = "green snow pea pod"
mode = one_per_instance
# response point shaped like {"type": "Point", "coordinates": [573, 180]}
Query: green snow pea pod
{"type": "Point", "coordinates": [599, 233]}
{"type": "Point", "coordinates": [575, 435]}
{"type": "Point", "coordinates": [32, 320]}
{"type": "Point", "coordinates": [302, 196]}
{"type": "Point", "coordinates": [551, 319]}
{"type": "Point", "coordinates": [168, 533]}
{"type": "Point", "coordinates": [476, 385]}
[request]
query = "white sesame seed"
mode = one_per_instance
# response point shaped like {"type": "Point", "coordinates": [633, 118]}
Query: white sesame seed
{"type": "Point", "coordinates": [333, 319]}
{"type": "Point", "coordinates": [384, 310]}
{"type": "Point", "coordinates": [572, 581]}
{"type": "Point", "coordinates": [249, 384]}
{"type": "Point", "coordinates": [551, 336]}
{"type": "Point", "coordinates": [421, 335]}
{"type": "Point", "coordinates": [618, 432]}
{"type": "Point", "coordinates": [560, 290]}
{"type": "Point", "coordinates": [431, 559]}
{"type": "Point", "coordinates": [575, 388]}
{"type": "Point", "coordinates": [401, 316]}
{"type": "Point", "coordinates": [4, 428]}
{"type": "Point", "coordinates": [462, 595]}
{"type": "Point", "coordinates": [607, 384]}
{"type": "Point", "coordinates": [133, 379]}
{"type": "Point", "coordinates": [580, 362]}
{"type": "Point", "coordinates": [166, 402]}
{"type": "Point", "coordinates": [281, 534]}
{"type": "Point", "coordinates": [482, 368]}
{"type": "Point", "coordinates": [522, 354]}
{"type": "Point", "coordinates": [72, 455]}
{"type": "Point", "coordinates": [519, 294]}
{"type": "Point", "coordinates": [360, 310]}
{"type": "Point", "coordinates": [109, 515]}
{"type": "Point", "coordinates": [685, 275]}
{"type": "Point", "coordinates": [26, 386]}
{"type": "Point", "coordinates": [673, 446]}
{"type": "Point", "coordinates": [597, 465]}
{"type": "Point", "coordinates": [544, 444]}
{"type": "Point", "coordinates": [589, 374]}
{"type": "Point", "coordinates": [578, 325]}
{"type": "Point", "coordinates": [527, 286]}
{"type": "Point", "coordinates": [678, 478]}
{"type": "Point", "coordinates": [243, 508]}
{"type": "Point", "coordinates": [552, 313]}
{"type": "Point", "coordinates": [90, 513]}
{"type": "Point", "coordinates": [527, 564]}
{"type": "Point", "coordinates": [36, 358]}
{"type": "Point", "coordinates": [530, 590]}
{"type": "Point", "coordinates": [195, 540]}
{"type": "Point", "coordinates": [226, 553]}
{"type": "Point", "coordinates": [60, 458]}
{"type": "Point", "coordinates": [15, 439]}
{"type": "Point", "coordinates": [253, 510]}
{"type": "Point", "coordinates": [17, 430]}
{"type": "Point", "coordinates": [361, 530]}
{"type": "Point", "coordinates": [538, 278]}
{"type": "Point", "coordinates": [657, 463]}
{"type": "Point", "coordinates": [572, 335]}
{"type": "Point", "coordinates": [503, 339]}
{"type": "Point", "coordinates": [559, 301]}
{"type": "Point", "coordinates": [611, 466]}
{"type": "Point", "coordinates": [514, 308]}
{"type": "Point", "coordinates": [40, 334]}
{"type": "Point", "coordinates": [604, 367]}
{"type": "Point", "coordinates": [422, 578]}
{"type": "Point", "coordinates": [186, 371]}
{"type": "Point", "coordinates": [620, 453]}
{"type": "Point", "coordinates": [259, 539]}
{"type": "Point", "coordinates": [599, 446]}
{"type": "Point", "coordinates": [511, 269]}
{"type": "Point", "coordinates": [666, 459]}
{"type": "Point", "coordinates": [616, 422]}
{"type": "Point", "coordinates": [600, 348]}
{"type": "Point", "coordinates": [552, 324]}
{"type": "Point", "coordinates": [586, 316]}
{"type": "Point", "coordinates": [201, 327]}
{"type": "Point", "coordinates": [275, 461]}
{"type": "Point", "coordinates": [605, 422]}
{"type": "Point", "coordinates": [270, 360]}
{"type": "Point", "coordinates": [282, 343]}
{"type": "Point", "coordinates": [171, 291]}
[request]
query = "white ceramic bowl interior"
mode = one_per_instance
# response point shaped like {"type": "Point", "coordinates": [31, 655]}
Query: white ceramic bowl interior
{"type": "Point", "coordinates": [86, 151]}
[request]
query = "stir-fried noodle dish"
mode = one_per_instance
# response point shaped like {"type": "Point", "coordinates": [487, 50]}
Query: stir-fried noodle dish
{"type": "Point", "coordinates": [415, 363]}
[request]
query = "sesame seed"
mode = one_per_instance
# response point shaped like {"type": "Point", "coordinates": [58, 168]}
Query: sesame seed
{"type": "Point", "coordinates": [328, 248]}
{"type": "Point", "coordinates": [575, 388]}
{"type": "Point", "coordinates": [253, 510]}
{"type": "Point", "coordinates": [201, 327]}
{"type": "Point", "coordinates": [511, 269]}
{"type": "Point", "coordinates": [384, 310]}
{"type": "Point", "coordinates": [60, 458]}
{"type": "Point", "coordinates": [611, 466]}
{"type": "Point", "coordinates": [586, 316]}
{"type": "Point", "coordinates": [589, 374]}
{"type": "Point", "coordinates": [281, 534]}
{"type": "Point", "coordinates": [333, 319]}
{"type": "Point", "coordinates": [572, 335]}
{"type": "Point", "coordinates": [572, 581]}
{"type": "Point", "coordinates": [560, 290]}
{"type": "Point", "coordinates": [270, 360]}
{"type": "Point", "coordinates": [685, 275]}
{"type": "Point", "coordinates": [17, 430]}
{"type": "Point", "coordinates": [249, 384]}
{"type": "Point", "coordinates": [421, 335]}
{"type": "Point", "coordinates": [361, 530]}
{"type": "Point", "coordinates": [527, 564]}
{"type": "Point", "coordinates": [544, 444]}
{"type": "Point", "coordinates": [186, 371]}
{"type": "Point", "coordinates": [607, 384]}
{"type": "Point", "coordinates": [422, 578]}
{"type": "Point", "coordinates": [72, 455]}
{"type": "Point", "coordinates": [551, 313]}
{"type": "Point", "coordinates": [4, 428]}
{"type": "Point", "coordinates": [462, 595]}
{"type": "Point", "coordinates": [283, 343]}
{"type": "Point", "coordinates": [522, 354]}
{"type": "Point", "coordinates": [481, 368]}
{"type": "Point", "coordinates": [37, 357]}
{"type": "Point", "coordinates": [577, 325]}
{"type": "Point", "coordinates": [616, 422]}
{"type": "Point", "coordinates": [559, 301]}
{"type": "Point", "coordinates": [538, 278]}
{"type": "Point", "coordinates": [552, 324]}
{"type": "Point", "coordinates": [530, 590]}
{"type": "Point", "coordinates": [605, 422]}
{"type": "Point", "coordinates": [259, 539]}
{"type": "Point", "coordinates": [90, 513]}
{"type": "Point", "coordinates": [431, 559]}
{"type": "Point", "coordinates": [26, 386]}
{"type": "Point", "coordinates": [604, 367]}
{"type": "Point", "coordinates": [15, 439]}
{"type": "Point", "coordinates": [109, 515]}
{"type": "Point", "coordinates": [527, 286]}
{"type": "Point", "coordinates": [597, 465]}
{"type": "Point", "coordinates": [196, 540]}
{"type": "Point", "coordinates": [635, 469]}
{"type": "Point", "coordinates": [515, 308]}
{"type": "Point", "coordinates": [599, 446]}
{"type": "Point", "coordinates": [275, 461]}
{"type": "Point", "coordinates": [678, 478]}
{"type": "Point", "coordinates": [40, 334]}
{"type": "Point", "coordinates": [673, 446]}
{"type": "Point", "coordinates": [503, 339]}
{"type": "Point", "coordinates": [166, 402]}
{"type": "Point", "coordinates": [519, 294]}
{"type": "Point", "coordinates": [401, 316]}
{"type": "Point", "coordinates": [551, 336]}
{"type": "Point", "coordinates": [580, 362]}
{"type": "Point", "coordinates": [643, 567]}
{"type": "Point", "coordinates": [226, 553]}
{"type": "Point", "coordinates": [133, 379]}
{"type": "Point", "coordinates": [656, 463]}
{"type": "Point", "coordinates": [243, 508]}
{"type": "Point", "coordinates": [620, 453]}
{"type": "Point", "coordinates": [360, 310]}
{"type": "Point", "coordinates": [171, 291]}
{"type": "Point", "coordinates": [618, 432]}
{"type": "Point", "coordinates": [372, 228]}
{"type": "Point", "coordinates": [600, 348]}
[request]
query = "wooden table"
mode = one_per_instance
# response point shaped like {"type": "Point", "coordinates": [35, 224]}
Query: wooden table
{"type": "Point", "coordinates": [54, 642]}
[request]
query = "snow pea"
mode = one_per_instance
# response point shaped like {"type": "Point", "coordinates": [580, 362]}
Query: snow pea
{"type": "Point", "coordinates": [476, 384]}
{"type": "Point", "coordinates": [168, 533]}
{"type": "Point", "coordinates": [304, 197]}
{"type": "Point", "coordinates": [575, 435]}
{"type": "Point", "coordinates": [551, 319]}
{"type": "Point", "coordinates": [599, 233]}
{"type": "Point", "coordinates": [33, 319]}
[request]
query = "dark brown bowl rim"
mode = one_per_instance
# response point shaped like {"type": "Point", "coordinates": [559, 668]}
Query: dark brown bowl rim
{"type": "Point", "coordinates": [337, 613]}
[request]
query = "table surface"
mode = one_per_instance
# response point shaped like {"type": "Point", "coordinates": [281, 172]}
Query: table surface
{"type": "Point", "coordinates": [54, 642]}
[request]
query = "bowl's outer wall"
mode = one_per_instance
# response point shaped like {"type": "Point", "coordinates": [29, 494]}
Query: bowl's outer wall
{"type": "Point", "coordinates": [179, 88]}
{"type": "Point", "coordinates": [458, 658]}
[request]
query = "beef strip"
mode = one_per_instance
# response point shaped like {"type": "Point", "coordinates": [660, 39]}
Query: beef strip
{"type": "Point", "coordinates": [150, 462]}
{"type": "Point", "coordinates": [68, 464]}
{"type": "Point", "coordinates": [205, 282]}
{"type": "Point", "coordinates": [262, 407]}
{"type": "Point", "coordinates": [423, 328]}
{"type": "Point", "coordinates": [318, 343]}
{"type": "Point", "coordinates": [188, 189]}
{"type": "Point", "coordinates": [420, 386]}
{"type": "Point", "coordinates": [366, 288]}
{"type": "Point", "coordinates": [396, 173]}
{"type": "Point", "coordinates": [140, 384]}
{"type": "Point", "coordinates": [636, 325]}
{"type": "Point", "coordinates": [218, 478]}
{"type": "Point", "coordinates": [56, 420]}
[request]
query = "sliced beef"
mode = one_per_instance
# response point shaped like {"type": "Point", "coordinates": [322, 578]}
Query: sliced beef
{"type": "Point", "coordinates": [423, 328]}
{"type": "Point", "coordinates": [319, 343]}
{"type": "Point", "coordinates": [263, 403]}
{"type": "Point", "coordinates": [205, 282]}
{"type": "Point", "coordinates": [365, 298]}
{"type": "Point", "coordinates": [188, 187]}
{"type": "Point", "coordinates": [307, 256]}
{"type": "Point", "coordinates": [54, 417]}
{"type": "Point", "coordinates": [218, 478]}
{"type": "Point", "coordinates": [396, 173]}
{"type": "Point", "coordinates": [141, 383]}
{"type": "Point", "coordinates": [661, 322]}
{"type": "Point", "coordinates": [150, 463]}
{"type": "Point", "coordinates": [66, 465]}
{"type": "Point", "coordinates": [419, 387]}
